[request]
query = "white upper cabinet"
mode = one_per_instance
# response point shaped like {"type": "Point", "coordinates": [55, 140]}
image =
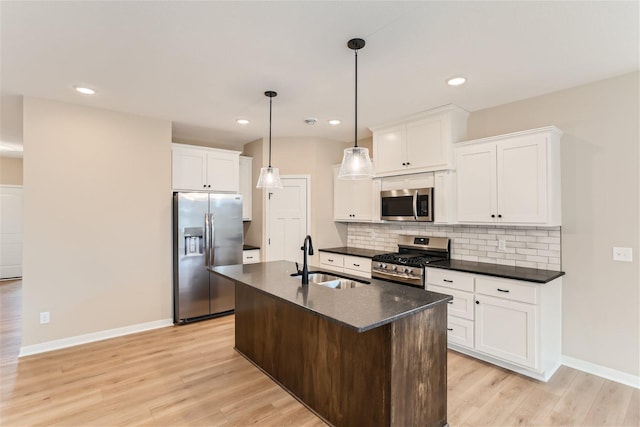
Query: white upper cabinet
{"type": "Point", "coordinates": [420, 143]}
{"type": "Point", "coordinates": [201, 168]}
{"type": "Point", "coordinates": [510, 179]}
{"type": "Point", "coordinates": [353, 200]}
{"type": "Point", "coordinates": [246, 186]}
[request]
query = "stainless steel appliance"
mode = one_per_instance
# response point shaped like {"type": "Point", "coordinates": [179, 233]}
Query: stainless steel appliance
{"type": "Point", "coordinates": [407, 266]}
{"type": "Point", "coordinates": [407, 205]}
{"type": "Point", "coordinates": [207, 231]}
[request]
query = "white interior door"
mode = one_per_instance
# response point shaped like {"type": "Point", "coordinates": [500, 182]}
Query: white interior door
{"type": "Point", "coordinates": [10, 231]}
{"type": "Point", "coordinates": [287, 219]}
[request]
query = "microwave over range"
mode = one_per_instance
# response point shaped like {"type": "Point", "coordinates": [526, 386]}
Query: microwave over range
{"type": "Point", "coordinates": [414, 204]}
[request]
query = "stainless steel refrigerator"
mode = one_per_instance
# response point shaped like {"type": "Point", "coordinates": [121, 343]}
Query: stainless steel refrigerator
{"type": "Point", "coordinates": [207, 231]}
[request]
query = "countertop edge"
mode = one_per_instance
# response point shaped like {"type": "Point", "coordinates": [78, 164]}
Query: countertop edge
{"type": "Point", "coordinates": [359, 252]}
{"type": "Point", "coordinates": [549, 275]}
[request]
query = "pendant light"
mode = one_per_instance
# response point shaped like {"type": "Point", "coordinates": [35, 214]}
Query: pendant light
{"type": "Point", "coordinates": [269, 176]}
{"type": "Point", "coordinates": [356, 163]}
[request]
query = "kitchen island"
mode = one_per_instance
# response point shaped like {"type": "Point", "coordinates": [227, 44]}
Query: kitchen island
{"type": "Point", "coordinates": [375, 354]}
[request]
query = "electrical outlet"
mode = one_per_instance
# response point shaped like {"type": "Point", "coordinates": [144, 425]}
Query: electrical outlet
{"type": "Point", "coordinates": [622, 254]}
{"type": "Point", "coordinates": [44, 317]}
{"type": "Point", "coordinates": [502, 245]}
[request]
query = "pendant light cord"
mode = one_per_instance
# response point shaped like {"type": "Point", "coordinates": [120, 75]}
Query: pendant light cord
{"type": "Point", "coordinates": [270, 108]}
{"type": "Point", "coordinates": [356, 130]}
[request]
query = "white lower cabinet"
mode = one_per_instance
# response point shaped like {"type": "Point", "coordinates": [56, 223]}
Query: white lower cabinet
{"type": "Point", "coordinates": [353, 265]}
{"type": "Point", "coordinates": [511, 323]}
{"type": "Point", "coordinates": [506, 329]}
{"type": "Point", "coordinates": [250, 256]}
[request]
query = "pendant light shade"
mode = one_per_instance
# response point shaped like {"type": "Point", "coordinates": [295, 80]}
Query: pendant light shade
{"type": "Point", "coordinates": [356, 163]}
{"type": "Point", "coordinates": [269, 176]}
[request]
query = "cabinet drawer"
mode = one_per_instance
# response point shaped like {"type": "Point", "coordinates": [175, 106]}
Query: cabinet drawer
{"type": "Point", "coordinates": [334, 260]}
{"type": "Point", "coordinates": [357, 263]}
{"type": "Point", "coordinates": [462, 303]}
{"type": "Point", "coordinates": [450, 279]}
{"type": "Point", "coordinates": [460, 331]}
{"type": "Point", "coordinates": [251, 256]}
{"type": "Point", "coordinates": [508, 289]}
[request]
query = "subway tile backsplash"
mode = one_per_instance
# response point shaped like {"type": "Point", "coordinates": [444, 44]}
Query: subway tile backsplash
{"type": "Point", "coordinates": [533, 247]}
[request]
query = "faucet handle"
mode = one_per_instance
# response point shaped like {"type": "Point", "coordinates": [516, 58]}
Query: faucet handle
{"type": "Point", "coordinates": [298, 268]}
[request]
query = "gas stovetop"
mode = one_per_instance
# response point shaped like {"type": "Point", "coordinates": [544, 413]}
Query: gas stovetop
{"type": "Point", "coordinates": [410, 259]}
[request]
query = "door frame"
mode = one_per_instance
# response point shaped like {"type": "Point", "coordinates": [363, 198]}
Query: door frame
{"type": "Point", "coordinates": [267, 215]}
{"type": "Point", "coordinates": [21, 188]}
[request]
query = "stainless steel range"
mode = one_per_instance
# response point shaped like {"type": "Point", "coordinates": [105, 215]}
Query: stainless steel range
{"type": "Point", "coordinates": [407, 266]}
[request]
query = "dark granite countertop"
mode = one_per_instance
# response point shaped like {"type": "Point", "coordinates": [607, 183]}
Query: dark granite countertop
{"type": "Point", "coordinates": [505, 271]}
{"type": "Point", "coordinates": [346, 250]}
{"type": "Point", "coordinates": [249, 247]}
{"type": "Point", "coordinates": [362, 308]}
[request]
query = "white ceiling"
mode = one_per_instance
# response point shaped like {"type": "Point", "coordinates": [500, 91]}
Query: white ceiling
{"type": "Point", "coordinates": [204, 64]}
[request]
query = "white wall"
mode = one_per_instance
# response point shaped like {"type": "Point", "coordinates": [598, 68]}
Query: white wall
{"type": "Point", "coordinates": [600, 209]}
{"type": "Point", "coordinates": [97, 220]}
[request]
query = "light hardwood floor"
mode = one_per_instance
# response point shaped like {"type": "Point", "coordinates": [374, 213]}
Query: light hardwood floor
{"type": "Point", "coordinates": [190, 375]}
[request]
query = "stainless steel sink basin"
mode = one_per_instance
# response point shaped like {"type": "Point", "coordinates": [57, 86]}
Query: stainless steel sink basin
{"type": "Point", "coordinates": [331, 281]}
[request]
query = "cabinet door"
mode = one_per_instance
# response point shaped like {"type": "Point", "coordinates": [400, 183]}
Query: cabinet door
{"type": "Point", "coordinates": [426, 143]}
{"type": "Point", "coordinates": [352, 199]}
{"type": "Point", "coordinates": [444, 195]}
{"type": "Point", "coordinates": [389, 150]}
{"type": "Point", "coordinates": [188, 169]}
{"type": "Point", "coordinates": [222, 171]}
{"type": "Point", "coordinates": [506, 329]}
{"type": "Point", "coordinates": [246, 186]}
{"type": "Point", "coordinates": [476, 183]}
{"type": "Point", "coordinates": [522, 179]}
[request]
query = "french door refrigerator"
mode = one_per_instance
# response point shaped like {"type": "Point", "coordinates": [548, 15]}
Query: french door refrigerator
{"type": "Point", "coordinates": [207, 231]}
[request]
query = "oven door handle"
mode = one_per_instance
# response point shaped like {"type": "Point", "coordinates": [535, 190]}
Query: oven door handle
{"type": "Point", "coordinates": [415, 205]}
{"type": "Point", "coordinates": [383, 274]}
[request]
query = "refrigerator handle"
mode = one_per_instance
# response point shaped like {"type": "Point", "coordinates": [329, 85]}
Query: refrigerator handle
{"type": "Point", "coordinates": [212, 236]}
{"type": "Point", "coordinates": [206, 240]}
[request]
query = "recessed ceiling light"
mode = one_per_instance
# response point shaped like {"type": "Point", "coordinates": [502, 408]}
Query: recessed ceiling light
{"type": "Point", "coordinates": [456, 81]}
{"type": "Point", "coordinates": [84, 90]}
{"type": "Point", "coordinates": [311, 121]}
{"type": "Point", "coordinates": [242, 121]}
{"type": "Point", "coordinates": [334, 122]}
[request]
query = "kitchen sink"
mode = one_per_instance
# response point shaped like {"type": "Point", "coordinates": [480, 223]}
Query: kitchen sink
{"type": "Point", "coordinates": [331, 281]}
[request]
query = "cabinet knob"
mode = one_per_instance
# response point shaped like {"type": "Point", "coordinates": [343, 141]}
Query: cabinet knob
{"type": "Point", "coordinates": [477, 302]}
{"type": "Point", "coordinates": [408, 163]}
{"type": "Point", "coordinates": [204, 186]}
{"type": "Point", "coordinates": [404, 164]}
{"type": "Point", "coordinates": [493, 216]}
{"type": "Point", "coordinates": [499, 216]}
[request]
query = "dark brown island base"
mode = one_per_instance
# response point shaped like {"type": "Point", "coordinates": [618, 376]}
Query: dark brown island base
{"type": "Point", "coordinates": [370, 355]}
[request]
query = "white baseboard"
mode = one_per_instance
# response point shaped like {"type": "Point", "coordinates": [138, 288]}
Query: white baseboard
{"type": "Point", "coordinates": [602, 371]}
{"type": "Point", "coordinates": [95, 336]}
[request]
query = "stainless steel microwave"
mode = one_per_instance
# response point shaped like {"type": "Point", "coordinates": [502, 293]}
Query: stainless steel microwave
{"type": "Point", "coordinates": [414, 204]}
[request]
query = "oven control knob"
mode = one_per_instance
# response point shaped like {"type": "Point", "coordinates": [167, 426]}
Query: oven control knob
{"type": "Point", "coordinates": [408, 270]}
{"type": "Point", "coordinates": [394, 267]}
{"type": "Point", "coordinates": [382, 265]}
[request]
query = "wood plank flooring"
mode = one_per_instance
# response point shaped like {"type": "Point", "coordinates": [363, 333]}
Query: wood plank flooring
{"type": "Point", "coordinates": [190, 375]}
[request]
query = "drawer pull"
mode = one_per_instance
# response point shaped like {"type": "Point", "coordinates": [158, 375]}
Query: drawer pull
{"type": "Point", "coordinates": [249, 257]}
{"type": "Point", "coordinates": [329, 259]}
{"type": "Point", "coordinates": [356, 265]}
{"type": "Point", "coordinates": [449, 329]}
{"type": "Point", "coordinates": [449, 302]}
{"type": "Point", "coordinates": [448, 281]}
{"type": "Point", "coordinates": [503, 290]}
